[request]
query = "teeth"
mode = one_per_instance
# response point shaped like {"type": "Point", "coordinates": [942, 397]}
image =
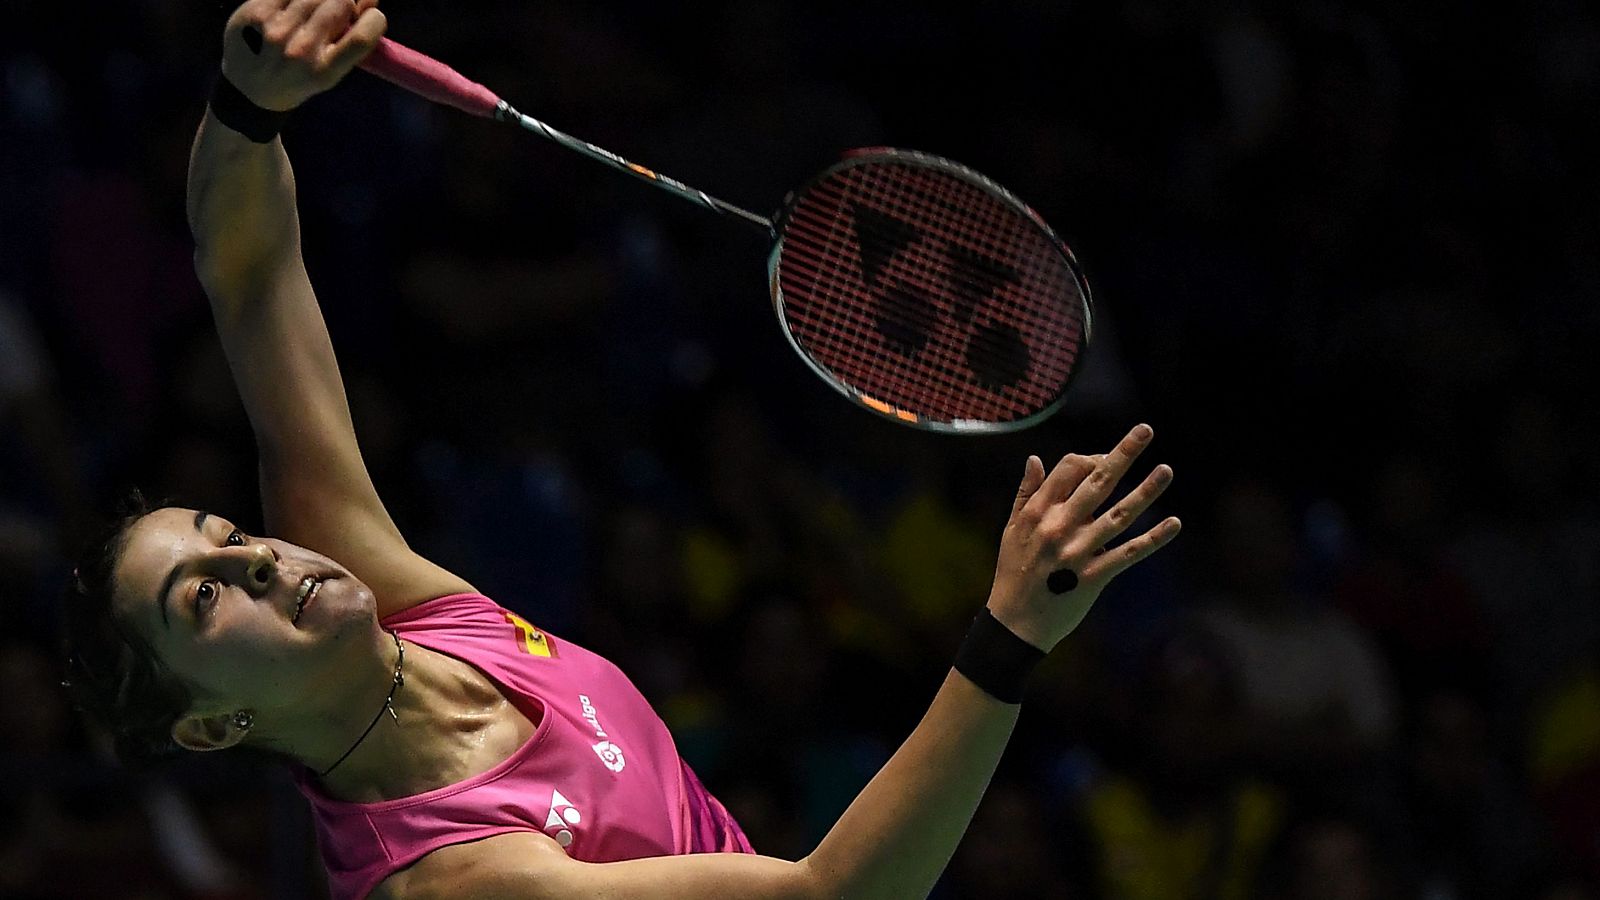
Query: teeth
{"type": "Point", "coordinates": [307, 587]}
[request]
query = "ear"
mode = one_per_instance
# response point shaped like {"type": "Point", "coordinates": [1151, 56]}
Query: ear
{"type": "Point", "coordinates": [194, 732]}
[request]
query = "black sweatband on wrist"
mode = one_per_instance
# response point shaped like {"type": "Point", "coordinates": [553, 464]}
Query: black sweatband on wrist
{"type": "Point", "coordinates": [995, 659]}
{"type": "Point", "coordinates": [233, 109]}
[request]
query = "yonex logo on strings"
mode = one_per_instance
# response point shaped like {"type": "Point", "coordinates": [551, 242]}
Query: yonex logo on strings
{"type": "Point", "coordinates": [996, 356]}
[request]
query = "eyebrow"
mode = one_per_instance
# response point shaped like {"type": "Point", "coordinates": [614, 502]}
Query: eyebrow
{"type": "Point", "coordinates": [172, 577]}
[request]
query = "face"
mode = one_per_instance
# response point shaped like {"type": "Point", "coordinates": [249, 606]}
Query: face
{"type": "Point", "coordinates": [220, 608]}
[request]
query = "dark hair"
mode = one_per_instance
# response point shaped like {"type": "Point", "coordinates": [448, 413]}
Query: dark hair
{"type": "Point", "coordinates": [113, 674]}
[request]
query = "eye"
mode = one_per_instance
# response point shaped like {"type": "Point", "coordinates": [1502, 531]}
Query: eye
{"type": "Point", "coordinates": [204, 597]}
{"type": "Point", "coordinates": [235, 538]}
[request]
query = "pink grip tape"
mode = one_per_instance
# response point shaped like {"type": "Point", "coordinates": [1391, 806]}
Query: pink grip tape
{"type": "Point", "coordinates": [427, 77]}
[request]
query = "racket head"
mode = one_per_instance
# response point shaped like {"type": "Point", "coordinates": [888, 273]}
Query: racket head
{"type": "Point", "coordinates": [929, 294]}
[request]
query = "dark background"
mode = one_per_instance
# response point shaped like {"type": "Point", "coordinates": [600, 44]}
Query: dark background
{"type": "Point", "coordinates": [1345, 262]}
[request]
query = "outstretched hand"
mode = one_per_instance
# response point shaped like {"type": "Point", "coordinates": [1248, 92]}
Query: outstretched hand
{"type": "Point", "coordinates": [279, 53]}
{"type": "Point", "coordinates": [1054, 528]}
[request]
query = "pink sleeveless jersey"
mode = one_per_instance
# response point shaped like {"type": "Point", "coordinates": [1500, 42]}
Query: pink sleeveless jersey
{"type": "Point", "coordinates": [600, 775]}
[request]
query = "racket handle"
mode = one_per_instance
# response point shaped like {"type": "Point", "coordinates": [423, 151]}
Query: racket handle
{"type": "Point", "coordinates": [426, 77]}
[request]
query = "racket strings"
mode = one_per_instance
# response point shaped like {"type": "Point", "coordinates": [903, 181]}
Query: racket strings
{"type": "Point", "coordinates": [996, 361]}
{"type": "Point", "coordinates": [844, 338]}
{"type": "Point", "coordinates": [881, 261]}
{"type": "Point", "coordinates": [977, 279]}
{"type": "Point", "coordinates": [978, 289]}
{"type": "Point", "coordinates": [1002, 221]}
{"type": "Point", "coordinates": [908, 385]}
{"type": "Point", "coordinates": [971, 290]}
{"type": "Point", "coordinates": [916, 316]}
{"type": "Point", "coordinates": [969, 301]}
{"type": "Point", "coordinates": [914, 196]}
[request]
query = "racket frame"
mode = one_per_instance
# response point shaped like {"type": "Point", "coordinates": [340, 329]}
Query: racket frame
{"type": "Point", "coordinates": [882, 155]}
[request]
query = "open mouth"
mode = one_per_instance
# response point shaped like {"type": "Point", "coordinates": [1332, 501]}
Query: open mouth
{"type": "Point", "coordinates": [309, 586]}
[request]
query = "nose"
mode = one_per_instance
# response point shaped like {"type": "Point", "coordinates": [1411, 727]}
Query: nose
{"type": "Point", "coordinates": [260, 566]}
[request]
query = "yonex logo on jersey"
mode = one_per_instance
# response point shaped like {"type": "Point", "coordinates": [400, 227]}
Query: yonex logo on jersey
{"type": "Point", "coordinates": [562, 819]}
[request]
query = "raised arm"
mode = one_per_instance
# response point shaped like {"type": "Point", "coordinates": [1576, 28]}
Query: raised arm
{"type": "Point", "coordinates": [897, 836]}
{"type": "Point", "coordinates": [315, 489]}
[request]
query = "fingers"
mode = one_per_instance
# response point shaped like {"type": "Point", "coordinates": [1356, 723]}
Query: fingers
{"type": "Point", "coordinates": [1114, 562]}
{"type": "Point", "coordinates": [279, 53]}
{"type": "Point", "coordinates": [357, 42]}
{"type": "Point", "coordinates": [1032, 477]}
{"type": "Point", "coordinates": [1117, 519]}
{"type": "Point", "coordinates": [281, 27]}
{"type": "Point", "coordinates": [1097, 485]}
{"type": "Point", "coordinates": [1074, 516]}
{"type": "Point", "coordinates": [1060, 483]}
{"type": "Point", "coordinates": [330, 20]}
{"type": "Point", "coordinates": [298, 29]}
{"type": "Point", "coordinates": [255, 14]}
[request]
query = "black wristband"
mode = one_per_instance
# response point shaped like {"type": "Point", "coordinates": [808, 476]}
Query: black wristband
{"type": "Point", "coordinates": [995, 659]}
{"type": "Point", "coordinates": [233, 109]}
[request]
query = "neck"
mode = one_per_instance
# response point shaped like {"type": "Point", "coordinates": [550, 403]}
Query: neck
{"type": "Point", "coordinates": [438, 720]}
{"type": "Point", "coordinates": [338, 742]}
{"type": "Point", "coordinates": [362, 725]}
{"type": "Point", "coordinates": [396, 682]}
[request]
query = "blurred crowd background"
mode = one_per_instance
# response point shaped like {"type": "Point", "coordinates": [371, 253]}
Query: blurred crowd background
{"type": "Point", "coordinates": [1346, 257]}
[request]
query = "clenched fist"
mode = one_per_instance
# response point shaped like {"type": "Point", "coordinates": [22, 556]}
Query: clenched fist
{"type": "Point", "coordinates": [1054, 529]}
{"type": "Point", "coordinates": [279, 53]}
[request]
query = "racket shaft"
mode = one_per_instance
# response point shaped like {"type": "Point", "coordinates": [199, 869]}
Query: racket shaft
{"type": "Point", "coordinates": [694, 195]}
{"type": "Point", "coordinates": [433, 80]}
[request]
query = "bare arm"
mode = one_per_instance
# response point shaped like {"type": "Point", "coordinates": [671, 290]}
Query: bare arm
{"type": "Point", "coordinates": [315, 487]}
{"type": "Point", "coordinates": [897, 836]}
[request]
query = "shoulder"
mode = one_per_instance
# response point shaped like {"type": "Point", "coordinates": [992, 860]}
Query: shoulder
{"type": "Point", "coordinates": [455, 606]}
{"type": "Point", "coordinates": [531, 866]}
{"type": "Point", "coordinates": [505, 865]}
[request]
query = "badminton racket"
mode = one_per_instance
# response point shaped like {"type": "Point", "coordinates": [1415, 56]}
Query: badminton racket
{"type": "Point", "coordinates": [913, 285]}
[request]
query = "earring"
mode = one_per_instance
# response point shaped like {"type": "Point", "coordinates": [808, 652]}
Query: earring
{"type": "Point", "coordinates": [243, 720]}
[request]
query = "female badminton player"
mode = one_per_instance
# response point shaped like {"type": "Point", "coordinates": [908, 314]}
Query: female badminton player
{"type": "Point", "coordinates": [447, 747]}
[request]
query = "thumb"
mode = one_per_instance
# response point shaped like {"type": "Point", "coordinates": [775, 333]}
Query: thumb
{"type": "Point", "coordinates": [1032, 477]}
{"type": "Point", "coordinates": [358, 41]}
